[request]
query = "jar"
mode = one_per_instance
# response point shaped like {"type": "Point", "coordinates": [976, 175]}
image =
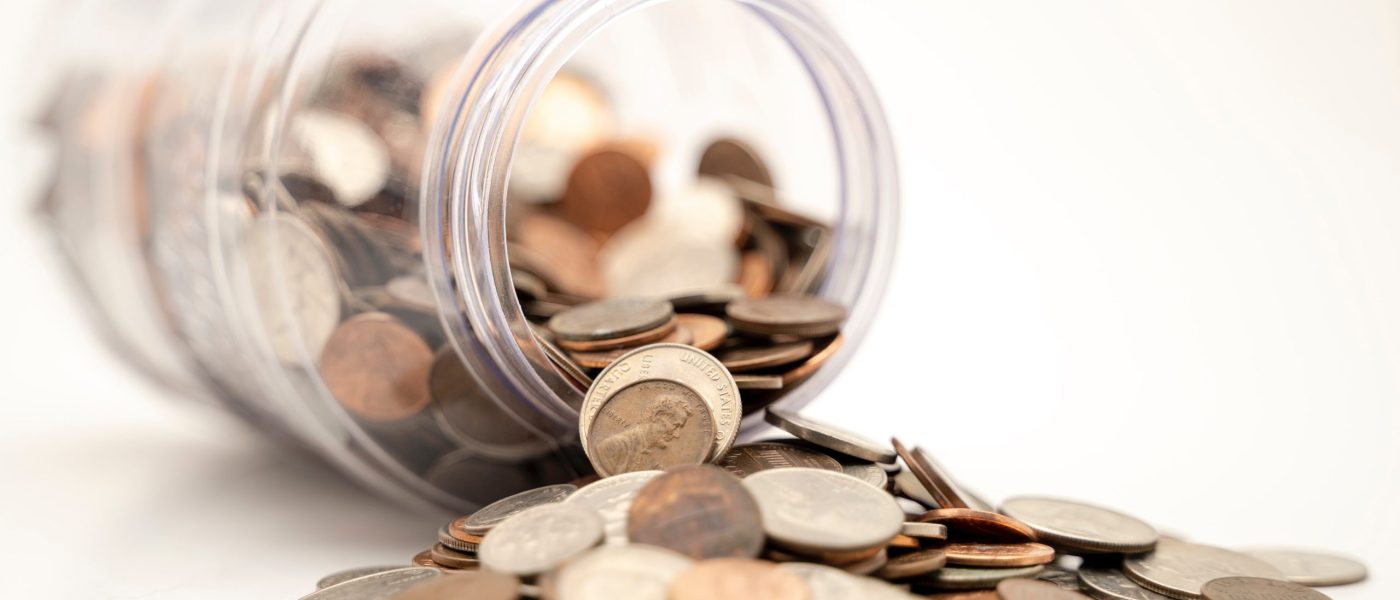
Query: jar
{"type": "Point", "coordinates": [184, 132]}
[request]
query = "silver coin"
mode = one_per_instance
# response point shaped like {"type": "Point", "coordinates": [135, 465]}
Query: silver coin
{"type": "Point", "coordinates": [294, 284]}
{"type": "Point", "coordinates": [1179, 569]}
{"type": "Point", "coordinates": [829, 436]}
{"type": "Point", "coordinates": [355, 573]}
{"type": "Point", "coordinates": [627, 572]}
{"type": "Point", "coordinates": [1311, 568]}
{"type": "Point", "coordinates": [611, 497]}
{"type": "Point", "coordinates": [925, 531]}
{"type": "Point", "coordinates": [909, 486]}
{"type": "Point", "coordinates": [911, 508]}
{"type": "Point", "coordinates": [1075, 525]}
{"type": "Point", "coordinates": [1112, 584]}
{"type": "Point", "coordinates": [541, 538]}
{"type": "Point", "coordinates": [378, 586]}
{"type": "Point", "coordinates": [870, 473]}
{"type": "Point", "coordinates": [493, 514]}
{"type": "Point", "coordinates": [609, 319]}
{"type": "Point", "coordinates": [976, 578]}
{"type": "Point", "coordinates": [815, 510]}
{"type": "Point", "coordinates": [746, 459]}
{"type": "Point", "coordinates": [829, 583]}
{"type": "Point", "coordinates": [445, 538]}
{"type": "Point", "coordinates": [345, 154]}
{"type": "Point", "coordinates": [1257, 588]}
{"type": "Point", "coordinates": [648, 259]}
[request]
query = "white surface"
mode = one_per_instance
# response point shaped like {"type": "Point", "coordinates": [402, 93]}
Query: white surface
{"type": "Point", "coordinates": [1149, 259]}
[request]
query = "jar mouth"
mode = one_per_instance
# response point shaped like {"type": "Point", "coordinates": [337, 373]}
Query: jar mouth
{"type": "Point", "coordinates": [470, 154]}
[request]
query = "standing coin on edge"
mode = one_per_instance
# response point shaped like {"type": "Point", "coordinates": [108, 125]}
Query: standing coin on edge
{"type": "Point", "coordinates": [541, 538]}
{"type": "Point", "coordinates": [1312, 568]}
{"type": "Point", "coordinates": [1080, 526]}
{"type": "Point", "coordinates": [810, 510]}
{"type": "Point", "coordinates": [1179, 569]}
{"type": "Point", "coordinates": [379, 586]}
{"type": "Point", "coordinates": [738, 579]}
{"type": "Point", "coordinates": [628, 572]}
{"type": "Point", "coordinates": [1258, 588]}
{"type": "Point", "coordinates": [481, 521]}
{"type": "Point", "coordinates": [650, 425]}
{"type": "Point", "coordinates": [701, 512]}
{"type": "Point", "coordinates": [828, 436]}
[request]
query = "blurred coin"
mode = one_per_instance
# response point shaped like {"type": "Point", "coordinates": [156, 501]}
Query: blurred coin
{"type": "Point", "coordinates": [626, 572]}
{"type": "Point", "coordinates": [828, 583]}
{"type": "Point", "coordinates": [345, 154]}
{"type": "Point", "coordinates": [1257, 588]}
{"type": "Point", "coordinates": [967, 524]}
{"type": "Point", "coordinates": [600, 359]}
{"type": "Point", "coordinates": [706, 332]}
{"type": "Point", "coordinates": [425, 559]}
{"type": "Point", "coordinates": [455, 559]}
{"type": "Point", "coordinates": [811, 510]}
{"type": "Point", "coordinates": [476, 585]}
{"type": "Point", "coordinates": [975, 578]}
{"type": "Point", "coordinates": [572, 113]}
{"type": "Point", "coordinates": [482, 521]}
{"type": "Point", "coordinates": [999, 555]}
{"type": "Point", "coordinates": [356, 573]}
{"type": "Point", "coordinates": [1032, 589]}
{"type": "Point", "coordinates": [708, 302]}
{"type": "Point", "coordinates": [828, 436]}
{"type": "Point", "coordinates": [909, 486]}
{"type": "Point", "coordinates": [746, 459]}
{"type": "Point", "coordinates": [610, 319]}
{"type": "Point", "coordinates": [737, 579]}
{"type": "Point", "coordinates": [647, 259]}
{"type": "Point", "coordinates": [939, 486]}
{"type": "Point", "coordinates": [728, 157]}
{"type": "Point", "coordinates": [749, 381]}
{"type": "Point", "coordinates": [377, 368]}
{"type": "Point", "coordinates": [868, 472]}
{"type": "Point", "coordinates": [446, 538]}
{"type": "Point", "coordinates": [914, 564]}
{"type": "Point", "coordinates": [1080, 526]}
{"type": "Point", "coordinates": [753, 358]}
{"type": "Point", "coordinates": [664, 333]}
{"type": "Point", "coordinates": [606, 190]}
{"type": "Point", "coordinates": [1109, 583]}
{"type": "Point", "coordinates": [378, 586]}
{"type": "Point", "coordinates": [294, 283]}
{"type": "Point", "coordinates": [611, 498]}
{"type": "Point", "coordinates": [472, 418]}
{"type": "Point", "coordinates": [1310, 567]}
{"type": "Point", "coordinates": [925, 531]}
{"type": "Point", "coordinates": [654, 424]}
{"type": "Point", "coordinates": [867, 566]}
{"type": "Point", "coordinates": [800, 373]}
{"type": "Point", "coordinates": [1179, 569]}
{"type": "Point", "coordinates": [570, 253]}
{"type": "Point", "coordinates": [700, 511]}
{"type": "Point", "coordinates": [787, 314]}
{"type": "Point", "coordinates": [755, 274]}
{"type": "Point", "coordinates": [540, 538]}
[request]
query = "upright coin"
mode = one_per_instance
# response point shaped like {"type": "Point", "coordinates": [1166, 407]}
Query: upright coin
{"type": "Point", "coordinates": [378, 586]}
{"type": "Point", "coordinates": [377, 368]}
{"type": "Point", "coordinates": [1179, 569]}
{"type": "Point", "coordinates": [827, 436]}
{"type": "Point", "coordinates": [609, 319]}
{"type": "Point", "coordinates": [356, 573]}
{"type": "Point", "coordinates": [706, 332]}
{"type": "Point", "coordinates": [607, 190]}
{"type": "Point", "coordinates": [1031, 589]}
{"type": "Point", "coordinates": [811, 510]}
{"type": "Point", "coordinates": [738, 579]}
{"type": "Point", "coordinates": [627, 572]}
{"type": "Point", "coordinates": [541, 538]}
{"type": "Point", "coordinates": [477, 585]}
{"type": "Point", "coordinates": [746, 459]}
{"type": "Point", "coordinates": [728, 157]}
{"type": "Point", "coordinates": [935, 484]}
{"type": "Point", "coordinates": [1080, 526]}
{"type": "Point", "coordinates": [481, 521]}
{"type": "Point", "coordinates": [611, 498]}
{"type": "Point", "coordinates": [294, 283]}
{"type": "Point", "coordinates": [967, 524]}
{"type": "Point", "coordinates": [829, 583]}
{"type": "Point", "coordinates": [1257, 588]}
{"type": "Point", "coordinates": [650, 425]}
{"type": "Point", "coordinates": [701, 512]}
{"type": "Point", "coordinates": [999, 555]}
{"type": "Point", "coordinates": [787, 314]}
{"type": "Point", "coordinates": [1312, 568]}
{"type": "Point", "coordinates": [1109, 583]}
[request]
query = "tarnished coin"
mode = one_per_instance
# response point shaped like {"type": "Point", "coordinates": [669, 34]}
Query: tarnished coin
{"type": "Point", "coordinates": [377, 368]}
{"type": "Point", "coordinates": [728, 157]}
{"type": "Point", "coordinates": [737, 579]}
{"type": "Point", "coordinates": [667, 332]}
{"type": "Point", "coordinates": [650, 425]}
{"type": "Point", "coordinates": [1310, 567]}
{"type": "Point", "coordinates": [787, 314]}
{"type": "Point", "coordinates": [977, 525]}
{"type": "Point", "coordinates": [913, 564]}
{"type": "Point", "coordinates": [294, 283]}
{"type": "Point", "coordinates": [1111, 584]}
{"type": "Point", "coordinates": [753, 358]}
{"type": "Point", "coordinates": [611, 498]}
{"type": "Point", "coordinates": [541, 538]}
{"type": "Point", "coordinates": [610, 319]}
{"type": "Point", "coordinates": [481, 521]}
{"type": "Point", "coordinates": [1179, 569]}
{"type": "Point", "coordinates": [606, 190]}
{"type": "Point", "coordinates": [976, 578]}
{"type": "Point", "coordinates": [378, 586]}
{"type": "Point", "coordinates": [477, 585]}
{"type": "Point", "coordinates": [830, 583]}
{"type": "Point", "coordinates": [627, 572]}
{"type": "Point", "coordinates": [925, 531]}
{"type": "Point", "coordinates": [1032, 589]}
{"type": "Point", "coordinates": [700, 511]}
{"type": "Point", "coordinates": [448, 557]}
{"type": "Point", "coordinates": [746, 459]}
{"type": "Point", "coordinates": [828, 436]}
{"type": "Point", "coordinates": [706, 332]}
{"type": "Point", "coordinates": [355, 573]}
{"type": "Point", "coordinates": [811, 510]}
{"type": "Point", "coordinates": [999, 555]}
{"type": "Point", "coordinates": [1257, 588]}
{"type": "Point", "coordinates": [1080, 526]}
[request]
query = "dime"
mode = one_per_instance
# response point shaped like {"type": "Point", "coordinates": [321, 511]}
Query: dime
{"type": "Point", "coordinates": [753, 358]}
{"type": "Point", "coordinates": [377, 368]}
{"type": "Point", "coordinates": [481, 521]}
{"type": "Point", "coordinates": [939, 487]}
{"type": "Point", "coordinates": [448, 557]}
{"type": "Point", "coordinates": [356, 573]}
{"type": "Point", "coordinates": [699, 511]}
{"type": "Point", "coordinates": [1257, 588]}
{"type": "Point", "coordinates": [737, 579]}
{"type": "Point", "coordinates": [472, 418]}
{"type": "Point", "coordinates": [606, 190]}
{"type": "Point", "coordinates": [1031, 589]}
{"type": "Point", "coordinates": [650, 425]}
{"type": "Point", "coordinates": [1079, 526]}
{"type": "Point", "coordinates": [706, 332]}
{"type": "Point", "coordinates": [829, 583]}
{"type": "Point", "coordinates": [1179, 569]}
{"type": "Point", "coordinates": [477, 585]}
{"type": "Point", "coordinates": [999, 555]}
{"type": "Point", "coordinates": [786, 314]}
{"type": "Point", "coordinates": [379, 586]}
{"type": "Point", "coordinates": [925, 531]}
{"type": "Point", "coordinates": [541, 538]}
{"type": "Point", "coordinates": [627, 572]}
{"type": "Point", "coordinates": [611, 498]}
{"type": "Point", "coordinates": [345, 154]}
{"type": "Point", "coordinates": [811, 510]}
{"type": "Point", "coordinates": [728, 157]}
{"type": "Point", "coordinates": [294, 283]}
{"type": "Point", "coordinates": [1312, 568]}
{"type": "Point", "coordinates": [1109, 583]}
{"type": "Point", "coordinates": [972, 524]}
{"type": "Point", "coordinates": [913, 564]}
{"type": "Point", "coordinates": [610, 319]}
{"type": "Point", "coordinates": [828, 436]}
{"type": "Point", "coordinates": [976, 578]}
{"type": "Point", "coordinates": [746, 459]}
{"type": "Point", "coordinates": [759, 382]}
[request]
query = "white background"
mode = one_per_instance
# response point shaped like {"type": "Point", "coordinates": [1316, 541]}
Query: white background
{"type": "Point", "coordinates": [1149, 258]}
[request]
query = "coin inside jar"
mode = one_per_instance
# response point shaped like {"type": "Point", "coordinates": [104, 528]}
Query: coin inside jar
{"type": "Point", "coordinates": [610, 319]}
{"type": "Point", "coordinates": [728, 157]}
{"type": "Point", "coordinates": [787, 314]}
{"type": "Point", "coordinates": [700, 511]}
{"type": "Point", "coordinates": [706, 332]}
{"type": "Point", "coordinates": [650, 425]}
{"type": "Point", "coordinates": [377, 368]}
{"type": "Point", "coordinates": [753, 358]}
{"type": "Point", "coordinates": [606, 190]}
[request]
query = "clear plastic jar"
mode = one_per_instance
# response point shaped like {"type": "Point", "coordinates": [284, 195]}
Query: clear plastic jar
{"type": "Point", "coordinates": [182, 126]}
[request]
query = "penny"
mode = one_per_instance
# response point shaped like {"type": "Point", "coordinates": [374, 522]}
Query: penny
{"type": "Point", "coordinates": [786, 314]}
{"type": "Point", "coordinates": [448, 557]}
{"type": "Point", "coordinates": [481, 521]}
{"type": "Point", "coordinates": [1257, 588]}
{"type": "Point", "coordinates": [938, 486]}
{"type": "Point", "coordinates": [971, 524]}
{"type": "Point", "coordinates": [753, 358]}
{"type": "Point", "coordinates": [746, 459]}
{"type": "Point", "coordinates": [295, 285]}
{"type": "Point", "coordinates": [541, 538]}
{"type": "Point", "coordinates": [729, 157]}
{"type": "Point", "coordinates": [1179, 569]}
{"type": "Point", "coordinates": [1109, 583]}
{"type": "Point", "coordinates": [377, 368]}
{"type": "Point", "coordinates": [472, 418]}
{"type": "Point", "coordinates": [706, 332]}
{"type": "Point", "coordinates": [1080, 526]}
{"type": "Point", "coordinates": [925, 531]}
{"type": "Point", "coordinates": [737, 579]}
{"type": "Point", "coordinates": [755, 274]}
{"type": "Point", "coordinates": [1032, 589]}
{"type": "Point", "coordinates": [809, 367]}
{"type": "Point", "coordinates": [870, 473]}
{"type": "Point", "coordinates": [828, 436]}
{"type": "Point", "coordinates": [699, 511]}
{"type": "Point", "coordinates": [975, 595]}
{"type": "Point", "coordinates": [424, 559]}
{"type": "Point", "coordinates": [355, 573]}
{"type": "Point", "coordinates": [904, 542]}
{"type": "Point", "coordinates": [610, 319]}
{"type": "Point", "coordinates": [866, 566]}
{"type": "Point", "coordinates": [667, 332]}
{"type": "Point", "coordinates": [569, 254]}
{"type": "Point", "coordinates": [650, 425]}
{"type": "Point", "coordinates": [606, 190]}
{"type": "Point", "coordinates": [379, 586]}
{"type": "Point", "coordinates": [446, 538]}
{"type": "Point", "coordinates": [629, 572]}
{"type": "Point", "coordinates": [1312, 568]}
{"type": "Point", "coordinates": [913, 564]}
{"type": "Point", "coordinates": [829, 583]}
{"type": "Point", "coordinates": [477, 585]}
{"type": "Point", "coordinates": [600, 359]}
{"type": "Point", "coordinates": [811, 510]}
{"type": "Point", "coordinates": [611, 498]}
{"type": "Point", "coordinates": [999, 555]}
{"type": "Point", "coordinates": [975, 578]}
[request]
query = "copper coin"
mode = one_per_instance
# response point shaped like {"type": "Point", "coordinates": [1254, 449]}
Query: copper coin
{"type": "Point", "coordinates": [755, 274]}
{"type": "Point", "coordinates": [706, 332]}
{"type": "Point", "coordinates": [737, 579]}
{"type": "Point", "coordinates": [568, 253]}
{"type": "Point", "coordinates": [913, 564]}
{"type": "Point", "coordinates": [869, 565]}
{"type": "Point", "coordinates": [377, 368]}
{"type": "Point", "coordinates": [650, 425]}
{"type": "Point", "coordinates": [1258, 588]}
{"type": "Point", "coordinates": [901, 541]}
{"type": "Point", "coordinates": [607, 190]}
{"type": "Point", "coordinates": [699, 511]}
{"type": "Point", "coordinates": [728, 157]}
{"type": "Point", "coordinates": [610, 319]}
{"type": "Point", "coordinates": [746, 459]}
{"type": "Point", "coordinates": [753, 358]}
{"type": "Point", "coordinates": [424, 559]}
{"type": "Point", "coordinates": [600, 359]}
{"type": "Point", "coordinates": [1032, 589]}
{"type": "Point", "coordinates": [966, 524]}
{"type": "Point", "coordinates": [801, 372]}
{"type": "Point", "coordinates": [445, 538]}
{"type": "Point", "coordinates": [938, 486]}
{"type": "Point", "coordinates": [458, 529]}
{"type": "Point", "coordinates": [974, 554]}
{"type": "Point", "coordinates": [977, 595]}
{"type": "Point", "coordinates": [471, 416]}
{"type": "Point", "coordinates": [477, 585]}
{"type": "Point", "coordinates": [448, 557]}
{"type": "Point", "coordinates": [787, 314]}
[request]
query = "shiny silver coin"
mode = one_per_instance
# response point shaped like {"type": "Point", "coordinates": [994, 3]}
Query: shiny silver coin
{"type": "Point", "coordinates": [355, 573]}
{"type": "Point", "coordinates": [811, 510]}
{"type": "Point", "coordinates": [377, 586]}
{"type": "Point", "coordinates": [445, 538]}
{"type": "Point", "coordinates": [1080, 526]}
{"type": "Point", "coordinates": [1258, 588]}
{"type": "Point", "coordinates": [294, 283]}
{"type": "Point", "coordinates": [1311, 568]}
{"type": "Point", "coordinates": [541, 538]}
{"type": "Point", "coordinates": [627, 572]}
{"type": "Point", "coordinates": [829, 583]}
{"type": "Point", "coordinates": [611, 497]}
{"type": "Point", "coordinates": [610, 319]}
{"type": "Point", "coordinates": [829, 436]}
{"type": "Point", "coordinates": [1112, 584]}
{"type": "Point", "coordinates": [1179, 569]}
{"type": "Point", "coordinates": [976, 578]}
{"type": "Point", "coordinates": [492, 514]}
{"type": "Point", "coordinates": [870, 473]}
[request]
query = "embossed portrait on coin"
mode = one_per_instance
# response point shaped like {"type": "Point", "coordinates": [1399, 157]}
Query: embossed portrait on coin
{"type": "Point", "coordinates": [651, 425]}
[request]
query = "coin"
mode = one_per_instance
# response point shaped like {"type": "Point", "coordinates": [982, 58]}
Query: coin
{"type": "Point", "coordinates": [378, 586]}
{"type": "Point", "coordinates": [600, 359]}
{"type": "Point", "coordinates": [914, 564]}
{"type": "Point", "coordinates": [481, 521]}
{"type": "Point", "coordinates": [540, 538]}
{"type": "Point", "coordinates": [569, 254]}
{"type": "Point", "coordinates": [737, 579]}
{"type": "Point", "coordinates": [828, 583]}
{"type": "Point", "coordinates": [446, 538]}
{"type": "Point", "coordinates": [1179, 569]}
{"type": "Point", "coordinates": [999, 555]}
{"type": "Point", "coordinates": [699, 511]}
{"type": "Point", "coordinates": [1312, 568]}
{"type": "Point", "coordinates": [1257, 588]}
{"type": "Point", "coordinates": [611, 498]}
{"type": "Point", "coordinates": [1111, 584]}
{"type": "Point", "coordinates": [746, 459]}
{"type": "Point", "coordinates": [866, 566]}
{"type": "Point", "coordinates": [939, 487]}
{"type": "Point", "coordinates": [572, 114]}
{"type": "Point", "coordinates": [294, 283]}
{"type": "Point", "coordinates": [627, 572]}
{"type": "Point", "coordinates": [424, 559]}
{"type": "Point", "coordinates": [345, 154]}
{"type": "Point", "coordinates": [811, 510]}
{"type": "Point", "coordinates": [979, 525]}
{"type": "Point", "coordinates": [377, 368]}
{"type": "Point", "coordinates": [828, 436]}
{"type": "Point", "coordinates": [667, 332]}
{"type": "Point", "coordinates": [561, 359]}
{"type": "Point", "coordinates": [606, 190]}
{"type": "Point", "coordinates": [448, 557]}
{"type": "Point", "coordinates": [925, 531]}
{"type": "Point", "coordinates": [610, 319]}
{"type": "Point", "coordinates": [472, 418]}
{"type": "Point", "coordinates": [355, 573]}
{"type": "Point", "coordinates": [477, 585]}
{"type": "Point", "coordinates": [786, 314]}
{"type": "Point", "coordinates": [728, 157]}
{"type": "Point", "coordinates": [907, 484]}
{"type": "Point", "coordinates": [801, 372]}
{"type": "Point", "coordinates": [870, 473]}
{"type": "Point", "coordinates": [706, 332]}
{"type": "Point", "coordinates": [650, 425]}
{"type": "Point", "coordinates": [1080, 526]}
{"type": "Point", "coordinates": [1031, 589]}
{"type": "Point", "coordinates": [753, 358]}
{"type": "Point", "coordinates": [976, 578]}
